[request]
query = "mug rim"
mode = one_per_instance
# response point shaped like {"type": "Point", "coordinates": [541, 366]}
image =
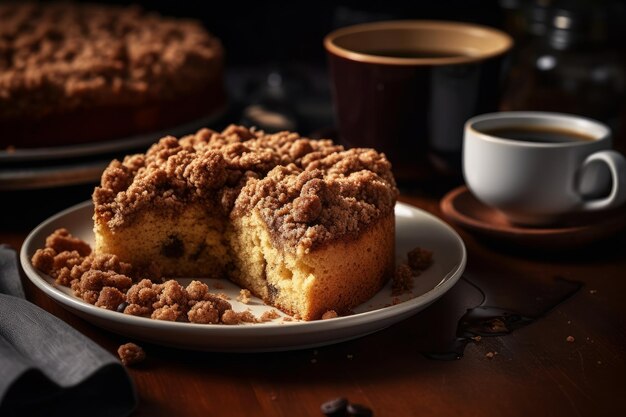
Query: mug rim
{"type": "Point", "coordinates": [332, 47]}
{"type": "Point", "coordinates": [565, 119]}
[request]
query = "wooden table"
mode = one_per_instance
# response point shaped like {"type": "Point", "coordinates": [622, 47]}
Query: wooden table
{"type": "Point", "coordinates": [533, 371]}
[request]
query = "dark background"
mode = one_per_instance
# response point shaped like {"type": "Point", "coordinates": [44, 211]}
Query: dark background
{"type": "Point", "coordinates": [275, 56]}
{"type": "Point", "coordinates": [284, 38]}
{"type": "Point", "coordinates": [264, 40]}
{"type": "Point", "coordinates": [261, 32]}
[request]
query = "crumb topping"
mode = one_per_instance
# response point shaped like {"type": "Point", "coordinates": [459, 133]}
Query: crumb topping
{"type": "Point", "coordinates": [308, 192]}
{"type": "Point", "coordinates": [62, 56]}
{"type": "Point", "coordinates": [131, 354]}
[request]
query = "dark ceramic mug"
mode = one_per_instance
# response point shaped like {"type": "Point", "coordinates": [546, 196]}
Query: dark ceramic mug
{"type": "Point", "coordinates": [406, 88]}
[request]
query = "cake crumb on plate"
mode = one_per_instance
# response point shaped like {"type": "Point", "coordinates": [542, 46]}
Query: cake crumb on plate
{"type": "Point", "coordinates": [244, 296]}
{"type": "Point", "coordinates": [330, 314]}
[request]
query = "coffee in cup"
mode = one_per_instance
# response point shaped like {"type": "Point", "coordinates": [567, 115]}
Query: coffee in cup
{"type": "Point", "coordinates": [537, 167]}
{"type": "Point", "coordinates": [406, 88]}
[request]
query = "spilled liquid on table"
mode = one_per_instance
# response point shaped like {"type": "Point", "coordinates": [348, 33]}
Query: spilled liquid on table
{"type": "Point", "coordinates": [512, 303]}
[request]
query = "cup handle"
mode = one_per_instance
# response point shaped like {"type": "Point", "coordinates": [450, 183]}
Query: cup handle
{"type": "Point", "coordinates": [617, 167]}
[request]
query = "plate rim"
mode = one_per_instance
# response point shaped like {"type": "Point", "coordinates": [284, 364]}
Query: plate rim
{"type": "Point", "coordinates": [25, 178]}
{"type": "Point", "coordinates": [89, 149]}
{"type": "Point", "coordinates": [378, 315]}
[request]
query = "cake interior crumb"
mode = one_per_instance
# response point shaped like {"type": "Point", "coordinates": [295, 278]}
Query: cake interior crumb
{"type": "Point", "coordinates": [244, 296]}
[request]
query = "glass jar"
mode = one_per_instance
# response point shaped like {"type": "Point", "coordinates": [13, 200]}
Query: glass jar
{"type": "Point", "coordinates": [568, 64]}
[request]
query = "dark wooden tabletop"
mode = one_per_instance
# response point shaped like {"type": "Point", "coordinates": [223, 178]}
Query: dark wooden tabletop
{"type": "Point", "coordinates": [554, 344]}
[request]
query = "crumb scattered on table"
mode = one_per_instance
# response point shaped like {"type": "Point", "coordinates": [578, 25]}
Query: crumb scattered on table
{"type": "Point", "coordinates": [498, 326]}
{"type": "Point", "coordinates": [131, 354]}
{"type": "Point", "coordinates": [570, 339]}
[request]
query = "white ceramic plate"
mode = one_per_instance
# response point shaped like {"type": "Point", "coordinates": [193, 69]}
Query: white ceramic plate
{"type": "Point", "coordinates": [414, 227]}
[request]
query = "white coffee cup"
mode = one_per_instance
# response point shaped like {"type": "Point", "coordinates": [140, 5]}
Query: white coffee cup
{"type": "Point", "coordinates": [536, 167]}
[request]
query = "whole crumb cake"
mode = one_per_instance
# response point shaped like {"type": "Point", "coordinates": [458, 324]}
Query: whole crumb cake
{"type": "Point", "coordinates": [67, 67]}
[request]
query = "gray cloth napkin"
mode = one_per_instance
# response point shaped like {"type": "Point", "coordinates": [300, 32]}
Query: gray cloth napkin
{"type": "Point", "coordinates": [47, 367]}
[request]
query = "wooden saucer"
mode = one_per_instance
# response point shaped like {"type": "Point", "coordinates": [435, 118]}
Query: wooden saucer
{"type": "Point", "coordinates": [461, 207]}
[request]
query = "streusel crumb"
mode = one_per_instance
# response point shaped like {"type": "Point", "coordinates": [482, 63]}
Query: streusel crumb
{"type": "Point", "coordinates": [93, 281]}
{"type": "Point", "coordinates": [196, 291]}
{"type": "Point", "coordinates": [420, 259]}
{"type": "Point", "coordinates": [110, 298]}
{"type": "Point", "coordinates": [491, 355]}
{"type": "Point", "coordinates": [269, 315]}
{"type": "Point", "coordinates": [233, 317]}
{"type": "Point", "coordinates": [168, 313]}
{"type": "Point", "coordinates": [172, 293]}
{"type": "Point", "coordinates": [204, 312]}
{"type": "Point", "coordinates": [309, 192]}
{"type": "Point", "coordinates": [330, 314]}
{"type": "Point", "coordinates": [402, 280]}
{"type": "Point", "coordinates": [61, 240]}
{"type": "Point", "coordinates": [43, 260]}
{"type": "Point", "coordinates": [131, 354]}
